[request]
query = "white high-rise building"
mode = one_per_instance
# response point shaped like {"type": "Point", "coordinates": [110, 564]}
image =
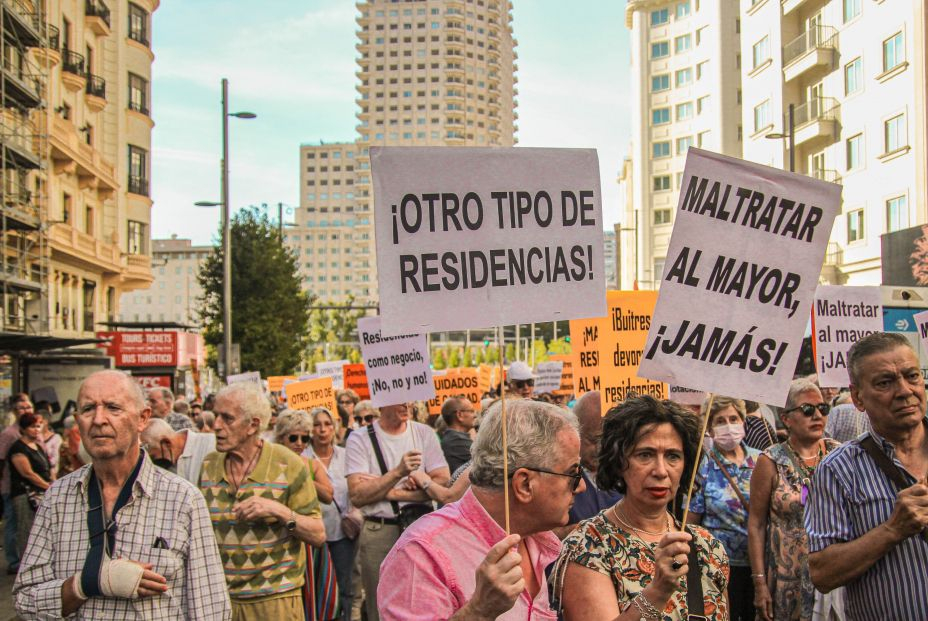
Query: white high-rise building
{"type": "Point", "coordinates": [686, 91]}
{"type": "Point", "coordinates": [854, 72]}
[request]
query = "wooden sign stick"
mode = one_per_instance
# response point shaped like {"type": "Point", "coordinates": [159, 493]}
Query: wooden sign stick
{"type": "Point", "coordinates": [702, 436]}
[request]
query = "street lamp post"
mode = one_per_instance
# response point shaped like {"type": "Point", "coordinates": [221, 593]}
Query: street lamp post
{"type": "Point", "coordinates": [790, 135]}
{"type": "Point", "coordinates": [226, 226]}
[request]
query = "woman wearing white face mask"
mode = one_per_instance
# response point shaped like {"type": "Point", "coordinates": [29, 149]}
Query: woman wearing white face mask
{"type": "Point", "coordinates": [721, 498]}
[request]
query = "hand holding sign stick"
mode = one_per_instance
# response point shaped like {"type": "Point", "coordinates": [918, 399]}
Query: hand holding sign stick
{"type": "Point", "coordinates": [502, 398]}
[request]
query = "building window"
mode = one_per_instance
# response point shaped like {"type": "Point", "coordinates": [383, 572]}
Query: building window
{"type": "Point", "coordinates": [894, 137]}
{"type": "Point", "coordinates": [660, 17]}
{"type": "Point", "coordinates": [660, 149]}
{"type": "Point", "coordinates": [661, 183]}
{"type": "Point", "coordinates": [853, 76]}
{"type": "Point", "coordinates": [683, 10]}
{"type": "Point", "coordinates": [761, 52]}
{"type": "Point", "coordinates": [897, 214]}
{"type": "Point", "coordinates": [138, 93]}
{"type": "Point", "coordinates": [683, 43]}
{"type": "Point", "coordinates": [683, 77]}
{"type": "Point", "coordinates": [660, 49]}
{"type": "Point", "coordinates": [893, 52]}
{"type": "Point", "coordinates": [660, 116]}
{"type": "Point", "coordinates": [701, 68]}
{"type": "Point", "coordinates": [761, 115]}
{"type": "Point", "coordinates": [136, 238]}
{"type": "Point", "coordinates": [854, 149]}
{"type": "Point", "coordinates": [138, 24]}
{"type": "Point", "coordinates": [661, 216]}
{"type": "Point", "coordinates": [855, 225]}
{"type": "Point", "coordinates": [138, 170]}
{"type": "Point", "coordinates": [685, 111]}
{"type": "Point", "coordinates": [660, 82]}
{"type": "Point", "coordinates": [851, 9]}
{"type": "Point", "coordinates": [67, 206]}
{"type": "Point", "coordinates": [683, 144]}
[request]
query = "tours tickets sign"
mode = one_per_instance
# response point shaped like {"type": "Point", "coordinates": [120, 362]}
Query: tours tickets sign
{"type": "Point", "coordinates": [841, 316]}
{"type": "Point", "coordinates": [743, 262]}
{"type": "Point", "coordinates": [398, 368]}
{"type": "Point", "coordinates": [477, 237]}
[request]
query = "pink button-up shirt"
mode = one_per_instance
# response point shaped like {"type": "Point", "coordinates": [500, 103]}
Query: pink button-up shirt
{"type": "Point", "coordinates": [429, 573]}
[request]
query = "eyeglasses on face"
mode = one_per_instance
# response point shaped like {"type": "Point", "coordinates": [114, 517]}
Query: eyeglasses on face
{"type": "Point", "coordinates": [345, 402]}
{"type": "Point", "coordinates": [293, 437]}
{"type": "Point", "coordinates": [523, 383]}
{"type": "Point", "coordinates": [808, 410]}
{"type": "Point", "coordinates": [576, 476]}
{"type": "Point", "coordinates": [367, 418]}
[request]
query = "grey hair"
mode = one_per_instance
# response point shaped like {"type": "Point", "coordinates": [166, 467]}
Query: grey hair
{"type": "Point", "coordinates": [532, 429]}
{"type": "Point", "coordinates": [799, 387]}
{"type": "Point", "coordinates": [166, 393]}
{"type": "Point", "coordinates": [288, 420]}
{"type": "Point", "coordinates": [136, 392]}
{"type": "Point", "coordinates": [365, 405]}
{"type": "Point", "coordinates": [155, 431]}
{"type": "Point", "coordinates": [876, 343]}
{"type": "Point", "coordinates": [181, 407]}
{"type": "Point", "coordinates": [206, 420]}
{"type": "Point", "coordinates": [250, 400]}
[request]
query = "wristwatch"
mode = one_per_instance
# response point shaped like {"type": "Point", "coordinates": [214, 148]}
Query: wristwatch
{"type": "Point", "coordinates": [291, 523]}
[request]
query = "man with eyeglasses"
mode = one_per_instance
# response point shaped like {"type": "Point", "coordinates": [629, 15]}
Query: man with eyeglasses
{"type": "Point", "coordinates": [460, 418]}
{"type": "Point", "coordinates": [458, 563]}
{"type": "Point", "coordinates": [521, 380]}
{"type": "Point", "coordinates": [120, 538]}
{"type": "Point", "coordinates": [182, 452]}
{"type": "Point", "coordinates": [867, 513]}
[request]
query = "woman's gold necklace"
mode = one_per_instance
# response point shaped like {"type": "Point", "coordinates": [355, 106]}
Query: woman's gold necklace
{"type": "Point", "coordinates": [634, 529]}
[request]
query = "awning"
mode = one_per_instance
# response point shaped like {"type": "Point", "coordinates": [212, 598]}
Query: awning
{"type": "Point", "coordinates": [11, 343]}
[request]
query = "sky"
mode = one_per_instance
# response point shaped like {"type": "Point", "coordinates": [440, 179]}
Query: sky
{"type": "Point", "coordinates": [292, 63]}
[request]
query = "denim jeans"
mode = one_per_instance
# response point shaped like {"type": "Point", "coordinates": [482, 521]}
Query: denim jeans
{"type": "Point", "coordinates": [9, 533]}
{"type": "Point", "coordinates": [343, 554]}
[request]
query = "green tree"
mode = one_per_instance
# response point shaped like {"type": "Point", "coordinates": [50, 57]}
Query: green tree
{"type": "Point", "coordinates": [270, 312]}
{"type": "Point", "coordinates": [439, 359]}
{"type": "Point", "coordinates": [333, 332]}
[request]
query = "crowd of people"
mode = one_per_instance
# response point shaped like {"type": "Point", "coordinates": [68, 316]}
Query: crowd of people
{"type": "Point", "coordinates": [146, 506]}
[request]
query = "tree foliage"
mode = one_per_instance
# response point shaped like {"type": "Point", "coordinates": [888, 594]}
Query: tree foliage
{"type": "Point", "coordinates": [270, 311]}
{"type": "Point", "coordinates": [333, 333]}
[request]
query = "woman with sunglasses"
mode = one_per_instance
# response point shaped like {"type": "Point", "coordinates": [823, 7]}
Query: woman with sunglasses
{"type": "Point", "coordinates": [777, 539]}
{"type": "Point", "coordinates": [631, 561]}
{"type": "Point", "coordinates": [320, 590]}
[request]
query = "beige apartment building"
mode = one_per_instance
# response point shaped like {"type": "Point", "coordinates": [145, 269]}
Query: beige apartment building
{"type": "Point", "coordinates": [430, 73]}
{"type": "Point", "coordinates": [854, 72]}
{"type": "Point", "coordinates": [685, 91]}
{"type": "Point", "coordinates": [174, 295]}
{"type": "Point", "coordinates": [76, 137]}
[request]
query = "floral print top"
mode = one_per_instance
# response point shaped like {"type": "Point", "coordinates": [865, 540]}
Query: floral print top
{"type": "Point", "coordinates": [607, 548]}
{"type": "Point", "coordinates": [722, 512]}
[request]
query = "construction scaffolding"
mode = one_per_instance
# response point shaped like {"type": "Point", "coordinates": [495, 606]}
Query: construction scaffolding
{"type": "Point", "coordinates": [28, 49]}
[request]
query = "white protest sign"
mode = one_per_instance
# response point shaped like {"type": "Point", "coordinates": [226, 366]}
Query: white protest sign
{"type": "Point", "coordinates": [548, 376]}
{"type": "Point", "coordinates": [841, 317]}
{"type": "Point", "coordinates": [335, 370]}
{"type": "Point", "coordinates": [740, 274]}
{"type": "Point", "coordinates": [686, 396]}
{"type": "Point", "coordinates": [921, 325]}
{"type": "Point", "coordinates": [476, 237]}
{"type": "Point", "coordinates": [397, 366]}
{"type": "Point", "coordinates": [253, 377]}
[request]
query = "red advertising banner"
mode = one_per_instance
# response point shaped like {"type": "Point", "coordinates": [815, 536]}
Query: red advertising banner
{"type": "Point", "coordinates": [143, 349]}
{"type": "Point", "coordinates": [153, 381]}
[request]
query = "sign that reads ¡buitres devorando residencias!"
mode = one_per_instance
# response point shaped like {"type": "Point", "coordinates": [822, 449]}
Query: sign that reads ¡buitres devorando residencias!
{"type": "Point", "coordinates": [739, 278]}
{"type": "Point", "coordinates": [476, 237]}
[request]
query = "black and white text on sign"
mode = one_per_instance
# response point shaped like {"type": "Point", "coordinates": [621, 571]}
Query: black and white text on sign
{"type": "Point", "coordinates": [476, 237]}
{"type": "Point", "coordinates": [739, 278]}
{"type": "Point", "coordinates": [398, 367]}
{"type": "Point", "coordinates": [843, 316]}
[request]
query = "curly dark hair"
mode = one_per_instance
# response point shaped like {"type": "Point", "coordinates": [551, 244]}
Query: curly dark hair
{"type": "Point", "coordinates": [624, 425]}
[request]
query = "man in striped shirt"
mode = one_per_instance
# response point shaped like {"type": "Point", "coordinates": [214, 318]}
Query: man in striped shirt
{"type": "Point", "coordinates": [864, 532]}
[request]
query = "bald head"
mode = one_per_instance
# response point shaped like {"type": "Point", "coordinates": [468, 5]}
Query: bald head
{"type": "Point", "coordinates": [588, 411]}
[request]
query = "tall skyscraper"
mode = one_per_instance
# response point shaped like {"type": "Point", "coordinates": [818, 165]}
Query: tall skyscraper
{"type": "Point", "coordinates": [430, 73]}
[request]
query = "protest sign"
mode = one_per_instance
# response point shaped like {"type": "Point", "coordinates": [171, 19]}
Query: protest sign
{"type": "Point", "coordinates": [548, 376]}
{"type": "Point", "coordinates": [686, 396]}
{"type": "Point", "coordinates": [567, 374]}
{"type": "Point", "coordinates": [252, 377]}
{"type": "Point", "coordinates": [921, 324]}
{"type": "Point", "coordinates": [841, 317]}
{"type": "Point", "coordinates": [584, 342]}
{"type": "Point", "coordinates": [477, 237]}
{"type": "Point", "coordinates": [311, 393]}
{"type": "Point", "coordinates": [333, 369]}
{"type": "Point", "coordinates": [397, 366]}
{"type": "Point", "coordinates": [455, 383]}
{"type": "Point", "coordinates": [355, 378]}
{"type": "Point", "coordinates": [275, 383]}
{"type": "Point", "coordinates": [488, 378]}
{"type": "Point", "coordinates": [740, 274]}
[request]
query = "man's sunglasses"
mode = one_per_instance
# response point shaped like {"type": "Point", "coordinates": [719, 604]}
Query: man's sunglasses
{"type": "Point", "coordinates": [523, 383]}
{"type": "Point", "coordinates": [576, 476]}
{"type": "Point", "coordinates": [368, 418]}
{"type": "Point", "coordinates": [302, 438]}
{"type": "Point", "coordinates": [346, 402]}
{"type": "Point", "coordinates": [808, 409]}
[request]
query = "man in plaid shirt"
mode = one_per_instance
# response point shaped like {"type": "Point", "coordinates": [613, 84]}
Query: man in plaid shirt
{"type": "Point", "coordinates": [120, 538]}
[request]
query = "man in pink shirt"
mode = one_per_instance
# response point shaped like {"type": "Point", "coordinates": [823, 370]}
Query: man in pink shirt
{"type": "Point", "coordinates": [457, 563]}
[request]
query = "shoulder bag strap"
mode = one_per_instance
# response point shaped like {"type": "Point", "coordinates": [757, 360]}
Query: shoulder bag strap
{"type": "Point", "coordinates": [891, 470]}
{"type": "Point", "coordinates": [731, 481]}
{"type": "Point", "coordinates": [383, 464]}
{"type": "Point", "coordinates": [695, 604]}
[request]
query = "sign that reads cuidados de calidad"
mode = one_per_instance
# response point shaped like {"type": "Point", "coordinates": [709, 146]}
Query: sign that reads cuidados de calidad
{"type": "Point", "coordinates": [740, 274]}
{"type": "Point", "coordinates": [842, 316]}
{"type": "Point", "coordinates": [476, 237]}
{"type": "Point", "coordinates": [398, 368]}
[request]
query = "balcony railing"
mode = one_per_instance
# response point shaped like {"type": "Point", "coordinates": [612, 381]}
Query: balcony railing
{"type": "Point", "coordinates": [834, 255]}
{"type": "Point", "coordinates": [816, 109]}
{"type": "Point", "coordinates": [826, 174]}
{"type": "Point", "coordinates": [96, 86]}
{"type": "Point", "coordinates": [815, 37]}
{"type": "Point", "coordinates": [138, 185]}
{"type": "Point", "coordinates": [139, 107]}
{"type": "Point", "coordinates": [96, 8]}
{"type": "Point", "coordinates": [72, 62]}
{"type": "Point", "coordinates": [54, 36]}
{"type": "Point", "coordinates": [26, 11]}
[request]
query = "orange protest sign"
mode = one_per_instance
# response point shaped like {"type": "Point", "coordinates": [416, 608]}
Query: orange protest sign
{"type": "Point", "coordinates": [355, 378]}
{"type": "Point", "coordinates": [463, 382]}
{"type": "Point", "coordinates": [275, 383]}
{"type": "Point", "coordinates": [311, 393]}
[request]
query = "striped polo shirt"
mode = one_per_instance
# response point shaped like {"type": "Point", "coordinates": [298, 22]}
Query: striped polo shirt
{"type": "Point", "coordinates": [850, 497]}
{"type": "Point", "coordinates": [261, 559]}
